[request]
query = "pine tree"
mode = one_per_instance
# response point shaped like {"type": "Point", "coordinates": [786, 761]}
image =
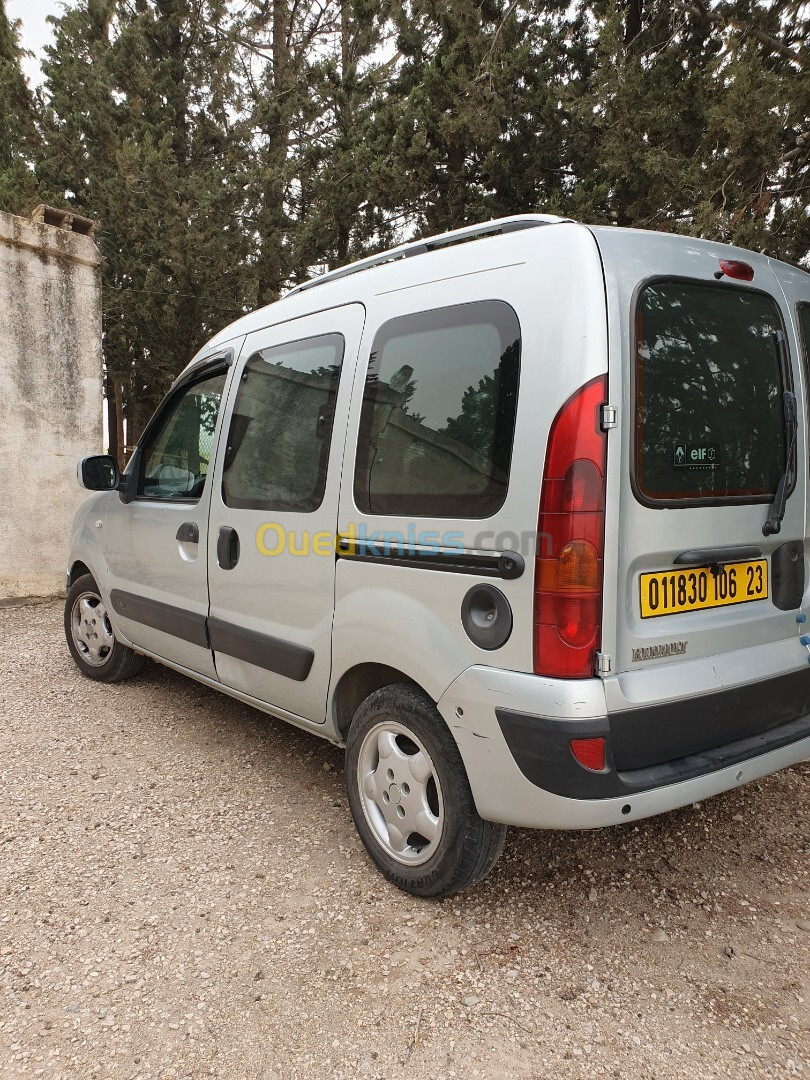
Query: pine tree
{"type": "Point", "coordinates": [227, 152]}
{"type": "Point", "coordinates": [443, 114]}
{"type": "Point", "coordinates": [19, 138]}
{"type": "Point", "coordinates": [338, 219]}
{"type": "Point", "coordinates": [693, 117]}
{"type": "Point", "coordinates": [278, 117]}
{"type": "Point", "coordinates": [757, 141]}
{"type": "Point", "coordinates": [470, 126]}
{"type": "Point", "coordinates": [642, 118]}
{"type": "Point", "coordinates": [309, 91]}
{"type": "Point", "coordinates": [141, 135]}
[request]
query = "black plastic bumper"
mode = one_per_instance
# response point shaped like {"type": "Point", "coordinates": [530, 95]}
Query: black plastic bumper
{"type": "Point", "coordinates": [664, 744]}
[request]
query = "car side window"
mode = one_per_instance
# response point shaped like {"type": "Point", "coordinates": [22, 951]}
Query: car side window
{"type": "Point", "coordinates": [438, 414]}
{"type": "Point", "coordinates": [176, 456]}
{"type": "Point", "coordinates": [277, 451]}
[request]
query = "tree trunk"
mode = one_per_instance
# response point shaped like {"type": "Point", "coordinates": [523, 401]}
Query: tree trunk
{"type": "Point", "coordinates": [632, 23]}
{"type": "Point", "coordinates": [345, 119]}
{"type": "Point", "coordinates": [136, 422]}
{"type": "Point", "coordinates": [115, 422]}
{"type": "Point", "coordinates": [270, 268]}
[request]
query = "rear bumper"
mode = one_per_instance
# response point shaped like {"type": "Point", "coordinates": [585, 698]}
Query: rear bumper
{"type": "Point", "coordinates": [522, 772]}
{"type": "Point", "coordinates": [657, 745]}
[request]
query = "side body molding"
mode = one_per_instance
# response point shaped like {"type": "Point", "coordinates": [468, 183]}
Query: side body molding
{"type": "Point", "coordinates": [273, 654]}
{"type": "Point", "coordinates": [187, 625]}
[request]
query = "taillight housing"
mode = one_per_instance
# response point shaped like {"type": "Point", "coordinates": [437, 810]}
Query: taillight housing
{"type": "Point", "coordinates": [569, 561]}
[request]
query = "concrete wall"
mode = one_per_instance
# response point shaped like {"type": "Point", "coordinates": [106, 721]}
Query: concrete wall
{"type": "Point", "coordinates": [50, 396]}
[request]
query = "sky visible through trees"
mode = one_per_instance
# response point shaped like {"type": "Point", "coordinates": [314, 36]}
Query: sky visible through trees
{"type": "Point", "coordinates": [231, 148]}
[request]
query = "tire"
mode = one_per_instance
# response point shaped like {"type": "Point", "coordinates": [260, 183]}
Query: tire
{"type": "Point", "coordinates": [402, 764]}
{"type": "Point", "coordinates": [90, 637]}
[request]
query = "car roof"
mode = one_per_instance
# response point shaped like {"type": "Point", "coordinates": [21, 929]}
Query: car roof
{"type": "Point", "coordinates": [456, 252]}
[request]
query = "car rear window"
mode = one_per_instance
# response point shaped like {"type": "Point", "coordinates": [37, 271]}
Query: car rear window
{"type": "Point", "coordinates": [709, 412]}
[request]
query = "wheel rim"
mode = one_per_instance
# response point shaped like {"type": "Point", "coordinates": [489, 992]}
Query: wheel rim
{"type": "Point", "coordinates": [400, 793]}
{"type": "Point", "coordinates": [91, 630]}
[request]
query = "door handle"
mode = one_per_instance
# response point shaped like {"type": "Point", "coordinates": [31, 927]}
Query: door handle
{"type": "Point", "coordinates": [188, 533]}
{"type": "Point", "coordinates": [227, 547]}
{"type": "Point", "coordinates": [738, 553]}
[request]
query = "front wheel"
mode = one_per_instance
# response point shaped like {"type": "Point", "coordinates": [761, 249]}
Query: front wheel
{"type": "Point", "coordinates": [90, 636]}
{"type": "Point", "coordinates": [410, 797]}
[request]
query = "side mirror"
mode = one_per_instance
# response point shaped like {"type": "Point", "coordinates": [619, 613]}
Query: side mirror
{"type": "Point", "coordinates": [98, 473]}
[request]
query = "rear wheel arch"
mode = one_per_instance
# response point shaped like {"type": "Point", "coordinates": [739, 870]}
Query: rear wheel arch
{"type": "Point", "coordinates": [356, 684]}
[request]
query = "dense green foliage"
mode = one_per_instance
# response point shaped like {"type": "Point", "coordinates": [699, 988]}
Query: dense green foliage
{"type": "Point", "coordinates": [19, 141]}
{"type": "Point", "coordinates": [228, 150]}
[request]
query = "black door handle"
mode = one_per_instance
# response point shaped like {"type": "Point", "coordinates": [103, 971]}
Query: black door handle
{"type": "Point", "coordinates": [188, 533]}
{"type": "Point", "coordinates": [227, 547]}
{"type": "Point", "coordinates": [718, 555]}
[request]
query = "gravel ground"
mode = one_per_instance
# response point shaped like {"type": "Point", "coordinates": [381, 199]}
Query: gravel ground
{"type": "Point", "coordinates": [182, 894]}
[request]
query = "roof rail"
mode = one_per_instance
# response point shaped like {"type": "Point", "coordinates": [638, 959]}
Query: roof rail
{"type": "Point", "coordinates": [431, 243]}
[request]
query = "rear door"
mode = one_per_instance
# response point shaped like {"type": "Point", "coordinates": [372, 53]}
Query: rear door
{"type": "Point", "coordinates": [703, 361]}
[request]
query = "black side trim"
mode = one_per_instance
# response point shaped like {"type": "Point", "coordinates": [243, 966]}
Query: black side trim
{"type": "Point", "coordinates": [187, 625]}
{"type": "Point", "coordinates": [540, 747]}
{"type": "Point", "coordinates": [507, 565]}
{"type": "Point", "coordinates": [648, 736]}
{"type": "Point", "coordinates": [273, 654]}
{"type": "Point", "coordinates": [665, 744]}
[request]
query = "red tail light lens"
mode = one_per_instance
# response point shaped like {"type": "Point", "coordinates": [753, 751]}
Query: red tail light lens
{"type": "Point", "coordinates": [590, 753]}
{"type": "Point", "coordinates": [734, 268]}
{"type": "Point", "coordinates": [571, 539]}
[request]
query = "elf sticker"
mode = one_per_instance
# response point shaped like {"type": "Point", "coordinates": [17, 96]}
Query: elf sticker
{"type": "Point", "coordinates": [694, 455]}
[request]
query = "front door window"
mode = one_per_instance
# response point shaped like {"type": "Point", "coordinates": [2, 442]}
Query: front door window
{"type": "Point", "coordinates": [176, 455]}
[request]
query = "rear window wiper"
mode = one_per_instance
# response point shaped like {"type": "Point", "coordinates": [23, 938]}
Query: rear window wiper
{"type": "Point", "coordinates": [774, 523]}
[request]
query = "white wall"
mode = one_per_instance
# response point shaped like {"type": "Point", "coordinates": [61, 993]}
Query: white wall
{"type": "Point", "coordinates": [50, 396]}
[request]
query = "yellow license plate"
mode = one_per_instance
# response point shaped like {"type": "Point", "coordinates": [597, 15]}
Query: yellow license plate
{"type": "Point", "coordinates": [673, 591]}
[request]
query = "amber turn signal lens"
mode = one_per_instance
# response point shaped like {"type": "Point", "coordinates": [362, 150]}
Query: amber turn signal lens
{"type": "Point", "coordinates": [576, 569]}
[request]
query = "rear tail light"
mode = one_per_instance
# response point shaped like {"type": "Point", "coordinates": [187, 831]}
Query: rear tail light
{"type": "Point", "coordinates": [590, 753]}
{"type": "Point", "coordinates": [571, 539]}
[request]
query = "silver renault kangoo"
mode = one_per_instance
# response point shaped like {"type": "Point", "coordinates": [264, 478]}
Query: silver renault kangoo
{"type": "Point", "coordinates": [517, 514]}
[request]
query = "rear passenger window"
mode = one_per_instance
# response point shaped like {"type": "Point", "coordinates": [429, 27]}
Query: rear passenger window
{"type": "Point", "coordinates": [438, 414]}
{"type": "Point", "coordinates": [709, 410]}
{"type": "Point", "coordinates": [281, 428]}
